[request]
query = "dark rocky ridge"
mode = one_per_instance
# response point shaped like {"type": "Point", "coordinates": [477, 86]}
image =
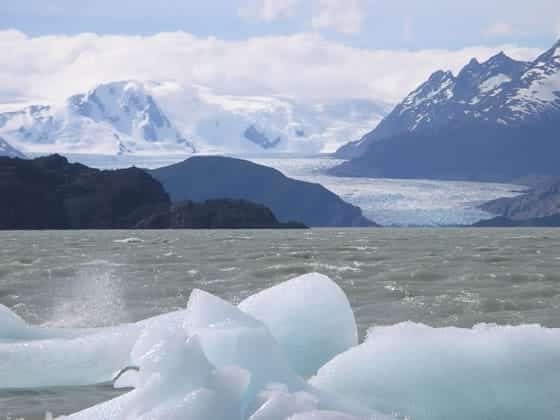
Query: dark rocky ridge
{"type": "Point", "coordinates": [216, 214]}
{"type": "Point", "coordinates": [203, 178]}
{"type": "Point", "coordinates": [51, 193]}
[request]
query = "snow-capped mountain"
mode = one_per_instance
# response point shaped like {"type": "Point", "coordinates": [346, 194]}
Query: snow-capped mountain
{"type": "Point", "coordinates": [217, 122]}
{"type": "Point", "coordinates": [7, 150]}
{"type": "Point", "coordinates": [131, 117]}
{"type": "Point", "coordinates": [113, 118]}
{"type": "Point", "coordinates": [498, 91]}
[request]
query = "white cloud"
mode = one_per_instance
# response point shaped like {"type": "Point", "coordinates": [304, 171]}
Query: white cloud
{"type": "Point", "coordinates": [266, 10]}
{"type": "Point", "coordinates": [344, 16]}
{"type": "Point", "coordinates": [499, 29]}
{"type": "Point", "coordinates": [305, 66]}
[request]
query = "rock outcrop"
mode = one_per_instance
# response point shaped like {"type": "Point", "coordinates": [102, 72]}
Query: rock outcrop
{"type": "Point", "coordinates": [202, 178]}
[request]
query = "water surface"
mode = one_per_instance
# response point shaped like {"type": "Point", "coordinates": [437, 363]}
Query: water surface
{"type": "Point", "coordinates": [439, 277]}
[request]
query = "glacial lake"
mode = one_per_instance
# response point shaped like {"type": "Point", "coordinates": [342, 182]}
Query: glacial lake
{"type": "Point", "coordinates": [439, 277]}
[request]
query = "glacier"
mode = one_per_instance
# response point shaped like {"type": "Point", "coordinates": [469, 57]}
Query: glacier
{"type": "Point", "coordinates": [290, 352]}
{"type": "Point", "coordinates": [399, 202]}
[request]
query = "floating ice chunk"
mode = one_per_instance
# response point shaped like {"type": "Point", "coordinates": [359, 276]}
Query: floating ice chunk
{"type": "Point", "coordinates": [205, 310]}
{"type": "Point", "coordinates": [276, 402]}
{"type": "Point", "coordinates": [488, 372]}
{"type": "Point", "coordinates": [230, 337]}
{"type": "Point", "coordinates": [41, 357]}
{"type": "Point", "coordinates": [89, 359]}
{"type": "Point", "coordinates": [13, 328]}
{"type": "Point", "coordinates": [176, 382]}
{"type": "Point", "coordinates": [210, 361]}
{"type": "Point", "coordinates": [220, 363]}
{"type": "Point", "coordinates": [309, 316]}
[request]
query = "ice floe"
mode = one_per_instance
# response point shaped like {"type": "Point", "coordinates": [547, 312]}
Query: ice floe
{"type": "Point", "coordinates": [311, 328]}
{"type": "Point", "coordinates": [425, 373]}
{"type": "Point", "coordinates": [216, 361]}
{"type": "Point", "coordinates": [221, 363]}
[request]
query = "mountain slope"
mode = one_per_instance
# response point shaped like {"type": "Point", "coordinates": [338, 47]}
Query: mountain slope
{"type": "Point", "coordinates": [7, 150]}
{"type": "Point", "coordinates": [202, 178]}
{"type": "Point", "coordinates": [119, 117]}
{"type": "Point", "coordinates": [541, 201]}
{"type": "Point", "coordinates": [481, 152]}
{"type": "Point", "coordinates": [131, 117]}
{"type": "Point", "coordinates": [501, 221]}
{"type": "Point", "coordinates": [473, 95]}
{"type": "Point", "coordinates": [245, 124]}
{"type": "Point", "coordinates": [471, 126]}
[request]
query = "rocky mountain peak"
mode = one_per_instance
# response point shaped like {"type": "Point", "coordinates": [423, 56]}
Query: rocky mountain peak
{"type": "Point", "coordinates": [500, 91]}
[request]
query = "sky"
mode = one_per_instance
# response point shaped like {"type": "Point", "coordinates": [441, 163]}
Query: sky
{"type": "Point", "coordinates": [306, 49]}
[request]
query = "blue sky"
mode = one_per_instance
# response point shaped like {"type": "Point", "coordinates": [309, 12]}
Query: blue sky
{"type": "Point", "coordinates": [393, 24]}
{"type": "Point", "coordinates": [305, 49]}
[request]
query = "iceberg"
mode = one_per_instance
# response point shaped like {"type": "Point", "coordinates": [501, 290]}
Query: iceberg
{"type": "Point", "coordinates": [221, 363]}
{"type": "Point", "coordinates": [72, 357]}
{"type": "Point", "coordinates": [309, 316]}
{"type": "Point", "coordinates": [425, 373]}
{"type": "Point", "coordinates": [14, 328]}
{"type": "Point", "coordinates": [215, 360]}
{"type": "Point", "coordinates": [33, 357]}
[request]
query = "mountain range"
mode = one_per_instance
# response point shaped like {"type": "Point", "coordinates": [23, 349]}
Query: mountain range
{"type": "Point", "coordinates": [132, 117]}
{"type": "Point", "coordinates": [495, 120]}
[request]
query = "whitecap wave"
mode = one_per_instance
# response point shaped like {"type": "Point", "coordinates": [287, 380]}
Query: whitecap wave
{"type": "Point", "coordinates": [132, 240]}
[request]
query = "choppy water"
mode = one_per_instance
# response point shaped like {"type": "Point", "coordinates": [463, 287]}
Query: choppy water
{"type": "Point", "coordinates": [438, 277]}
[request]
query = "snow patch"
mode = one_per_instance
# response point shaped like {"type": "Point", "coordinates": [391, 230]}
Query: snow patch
{"type": "Point", "coordinates": [493, 82]}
